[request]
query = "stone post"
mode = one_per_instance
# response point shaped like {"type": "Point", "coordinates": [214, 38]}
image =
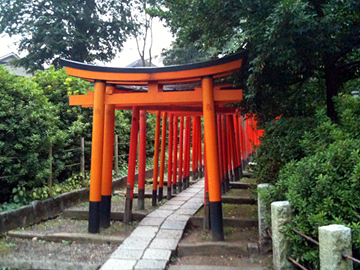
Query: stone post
{"type": "Point", "coordinates": [264, 238]}
{"type": "Point", "coordinates": [280, 216]}
{"type": "Point", "coordinates": [333, 240]}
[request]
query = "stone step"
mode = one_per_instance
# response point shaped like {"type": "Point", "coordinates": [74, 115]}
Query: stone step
{"type": "Point", "coordinates": [70, 237]}
{"type": "Point", "coordinates": [238, 200]}
{"type": "Point", "coordinates": [195, 221]}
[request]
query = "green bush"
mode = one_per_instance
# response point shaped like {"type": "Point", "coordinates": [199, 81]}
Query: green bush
{"type": "Point", "coordinates": [324, 187]}
{"type": "Point", "coordinates": [27, 126]}
{"type": "Point", "coordinates": [279, 145]}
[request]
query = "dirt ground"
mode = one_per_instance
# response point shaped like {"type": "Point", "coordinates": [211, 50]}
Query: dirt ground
{"type": "Point", "coordinates": [263, 262]}
{"type": "Point", "coordinates": [232, 234]}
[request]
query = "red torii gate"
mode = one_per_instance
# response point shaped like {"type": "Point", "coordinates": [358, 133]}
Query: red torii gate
{"type": "Point", "coordinates": [206, 100]}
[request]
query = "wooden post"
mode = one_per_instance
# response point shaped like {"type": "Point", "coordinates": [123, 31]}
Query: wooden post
{"type": "Point", "coordinates": [181, 149]}
{"type": "Point", "coordinates": [224, 151]}
{"type": "Point", "coordinates": [156, 158]}
{"type": "Point", "coordinates": [186, 178]}
{"type": "Point", "coordinates": [50, 171]}
{"type": "Point", "coordinates": [201, 171]}
{"type": "Point", "coordinates": [162, 156]}
{"type": "Point", "coordinates": [132, 162]}
{"type": "Point", "coordinates": [194, 166]}
{"type": "Point", "coordinates": [142, 160]}
{"type": "Point", "coordinates": [175, 160]}
{"type": "Point", "coordinates": [170, 165]}
{"type": "Point", "coordinates": [107, 162]}
{"type": "Point", "coordinates": [96, 157]}
{"type": "Point", "coordinates": [116, 148]}
{"type": "Point", "coordinates": [212, 166]}
{"type": "Point", "coordinates": [238, 148]}
{"type": "Point", "coordinates": [82, 160]}
{"type": "Point", "coordinates": [220, 157]}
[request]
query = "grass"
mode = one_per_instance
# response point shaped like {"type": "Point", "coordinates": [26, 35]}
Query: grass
{"type": "Point", "coordinates": [5, 245]}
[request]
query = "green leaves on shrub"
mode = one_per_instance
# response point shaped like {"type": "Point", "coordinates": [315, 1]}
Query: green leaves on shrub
{"type": "Point", "coordinates": [324, 186]}
{"type": "Point", "coordinates": [279, 145]}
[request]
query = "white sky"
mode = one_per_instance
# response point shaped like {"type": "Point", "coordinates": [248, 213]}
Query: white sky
{"type": "Point", "coordinates": [162, 39]}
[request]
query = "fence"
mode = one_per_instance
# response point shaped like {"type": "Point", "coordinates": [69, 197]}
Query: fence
{"type": "Point", "coordinates": [82, 150]}
{"type": "Point", "coordinates": [335, 247]}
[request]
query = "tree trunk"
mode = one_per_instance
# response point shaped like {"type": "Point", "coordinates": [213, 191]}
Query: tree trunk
{"type": "Point", "coordinates": [332, 88]}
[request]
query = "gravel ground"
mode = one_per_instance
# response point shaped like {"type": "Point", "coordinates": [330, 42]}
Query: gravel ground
{"type": "Point", "coordinates": [46, 251]}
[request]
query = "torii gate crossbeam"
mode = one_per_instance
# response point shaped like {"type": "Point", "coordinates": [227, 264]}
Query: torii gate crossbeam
{"type": "Point", "coordinates": [206, 98]}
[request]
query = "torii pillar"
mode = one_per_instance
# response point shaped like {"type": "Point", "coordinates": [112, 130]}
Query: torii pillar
{"type": "Point", "coordinates": [212, 165]}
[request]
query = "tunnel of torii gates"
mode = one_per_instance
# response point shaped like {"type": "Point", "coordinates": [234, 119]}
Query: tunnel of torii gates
{"type": "Point", "coordinates": [228, 138]}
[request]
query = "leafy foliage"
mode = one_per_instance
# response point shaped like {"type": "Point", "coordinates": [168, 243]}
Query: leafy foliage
{"type": "Point", "coordinates": [80, 30]}
{"type": "Point", "coordinates": [189, 54]}
{"type": "Point", "coordinates": [291, 45]}
{"type": "Point", "coordinates": [279, 145]}
{"type": "Point", "coordinates": [324, 186]}
{"type": "Point", "coordinates": [28, 125]}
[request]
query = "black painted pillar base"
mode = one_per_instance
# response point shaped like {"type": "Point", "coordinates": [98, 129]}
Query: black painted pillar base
{"type": "Point", "coordinates": [184, 183]}
{"type": "Point", "coordinates": [180, 184]}
{"type": "Point", "coordinates": [94, 217]}
{"type": "Point", "coordinates": [222, 188]}
{"type": "Point", "coordinates": [161, 190]}
{"type": "Point", "coordinates": [227, 185]}
{"type": "Point", "coordinates": [188, 182]}
{"type": "Point", "coordinates": [105, 211]}
{"type": "Point", "coordinates": [207, 212]}
{"type": "Point", "coordinates": [216, 221]}
{"type": "Point", "coordinates": [240, 172]}
{"type": "Point", "coordinates": [168, 197]}
{"type": "Point", "coordinates": [141, 199]}
{"type": "Point", "coordinates": [174, 189]}
{"type": "Point", "coordinates": [201, 174]}
{"type": "Point", "coordinates": [154, 195]}
{"type": "Point", "coordinates": [195, 175]}
{"type": "Point", "coordinates": [128, 211]}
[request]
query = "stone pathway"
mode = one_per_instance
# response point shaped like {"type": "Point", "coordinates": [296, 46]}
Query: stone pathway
{"type": "Point", "coordinates": [151, 244]}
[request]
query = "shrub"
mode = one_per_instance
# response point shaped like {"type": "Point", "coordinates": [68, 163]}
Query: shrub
{"type": "Point", "coordinates": [324, 187]}
{"type": "Point", "coordinates": [27, 126]}
{"type": "Point", "coordinates": [279, 145]}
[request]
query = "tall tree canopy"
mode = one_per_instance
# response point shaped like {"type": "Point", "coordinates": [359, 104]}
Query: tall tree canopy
{"type": "Point", "coordinates": [299, 50]}
{"type": "Point", "coordinates": [81, 30]}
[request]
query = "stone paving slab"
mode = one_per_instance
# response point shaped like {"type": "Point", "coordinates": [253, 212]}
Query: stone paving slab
{"type": "Point", "coordinates": [145, 231]}
{"type": "Point", "coordinates": [150, 264]}
{"type": "Point", "coordinates": [133, 242]}
{"type": "Point", "coordinates": [151, 244]}
{"type": "Point", "coordinates": [173, 225]}
{"type": "Point", "coordinates": [190, 206]}
{"type": "Point", "coordinates": [152, 221]}
{"type": "Point", "coordinates": [160, 213]}
{"type": "Point", "coordinates": [117, 264]}
{"type": "Point", "coordinates": [177, 203]}
{"type": "Point", "coordinates": [157, 254]}
{"type": "Point", "coordinates": [170, 207]}
{"type": "Point", "coordinates": [129, 254]}
{"type": "Point", "coordinates": [169, 234]}
{"type": "Point", "coordinates": [187, 211]}
{"type": "Point", "coordinates": [169, 244]}
{"type": "Point", "coordinates": [179, 217]}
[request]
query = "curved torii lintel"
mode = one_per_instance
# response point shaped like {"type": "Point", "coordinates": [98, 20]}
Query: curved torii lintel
{"type": "Point", "coordinates": [217, 68]}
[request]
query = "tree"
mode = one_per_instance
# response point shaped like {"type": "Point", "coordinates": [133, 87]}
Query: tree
{"type": "Point", "coordinates": [80, 30]}
{"type": "Point", "coordinates": [299, 50]}
{"type": "Point", "coordinates": [143, 33]}
{"type": "Point", "coordinates": [189, 54]}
